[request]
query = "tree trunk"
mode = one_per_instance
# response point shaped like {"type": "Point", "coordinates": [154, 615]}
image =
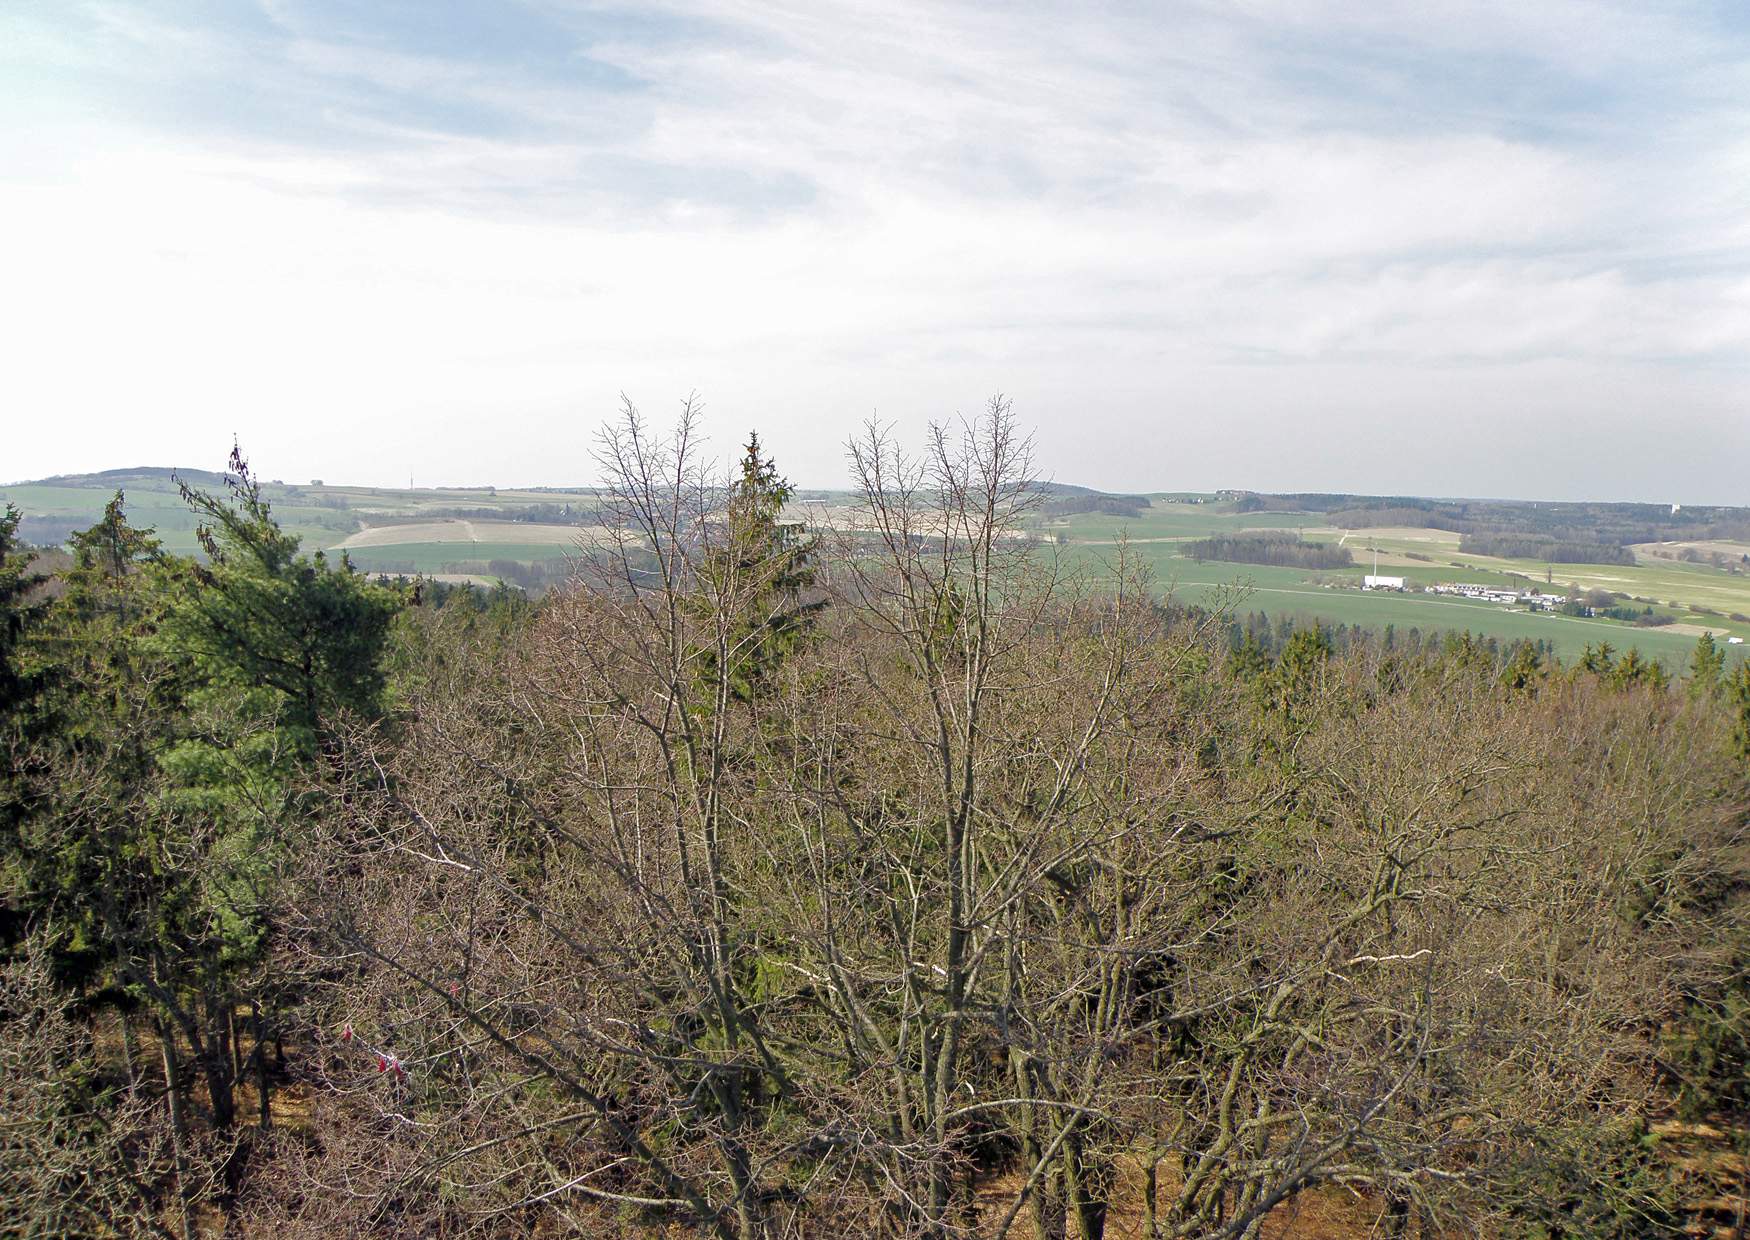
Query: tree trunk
{"type": "Point", "coordinates": [129, 1051]}
{"type": "Point", "coordinates": [1041, 1209]}
{"type": "Point", "coordinates": [173, 1100]}
{"type": "Point", "coordinates": [1084, 1199]}
{"type": "Point", "coordinates": [262, 1088]}
{"type": "Point", "coordinates": [221, 1086]}
{"type": "Point", "coordinates": [1150, 1187]}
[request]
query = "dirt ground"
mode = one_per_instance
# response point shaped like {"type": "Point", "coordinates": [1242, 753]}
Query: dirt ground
{"type": "Point", "coordinates": [1323, 1214]}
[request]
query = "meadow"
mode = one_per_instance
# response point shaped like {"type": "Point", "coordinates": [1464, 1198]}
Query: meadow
{"type": "Point", "coordinates": [1697, 597]}
{"type": "Point", "coordinates": [371, 524]}
{"type": "Point", "coordinates": [459, 532]}
{"type": "Point", "coordinates": [436, 557]}
{"type": "Point", "coordinates": [153, 501]}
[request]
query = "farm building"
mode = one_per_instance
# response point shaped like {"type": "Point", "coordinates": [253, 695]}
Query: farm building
{"type": "Point", "coordinates": [1493, 594]}
{"type": "Point", "coordinates": [1373, 581]}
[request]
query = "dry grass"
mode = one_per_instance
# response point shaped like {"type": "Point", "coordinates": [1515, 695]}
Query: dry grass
{"type": "Point", "coordinates": [1323, 1214]}
{"type": "Point", "coordinates": [1704, 546]}
{"type": "Point", "coordinates": [1712, 1169]}
{"type": "Point", "coordinates": [458, 531]}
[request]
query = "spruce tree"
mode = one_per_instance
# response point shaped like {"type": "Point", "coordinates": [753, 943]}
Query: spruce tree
{"type": "Point", "coordinates": [1706, 666]}
{"type": "Point", "coordinates": [190, 708]}
{"type": "Point", "coordinates": [274, 651]}
{"type": "Point", "coordinates": [759, 576]}
{"type": "Point", "coordinates": [1524, 670]}
{"type": "Point", "coordinates": [1247, 659]}
{"type": "Point", "coordinates": [101, 719]}
{"type": "Point", "coordinates": [1293, 683]}
{"type": "Point", "coordinates": [258, 615]}
{"type": "Point", "coordinates": [17, 613]}
{"type": "Point", "coordinates": [1738, 695]}
{"type": "Point", "coordinates": [1597, 660]}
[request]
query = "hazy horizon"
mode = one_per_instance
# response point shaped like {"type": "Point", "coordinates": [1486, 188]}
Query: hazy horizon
{"type": "Point", "coordinates": [844, 487]}
{"type": "Point", "coordinates": [1482, 250]}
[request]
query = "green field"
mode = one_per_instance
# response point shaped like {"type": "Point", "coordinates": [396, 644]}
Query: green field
{"type": "Point", "coordinates": [420, 531]}
{"type": "Point", "coordinates": [155, 503]}
{"type": "Point", "coordinates": [1166, 519]}
{"type": "Point", "coordinates": [1334, 596]}
{"type": "Point", "coordinates": [1283, 591]}
{"type": "Point", "coordinates": [321, 516]}
{"type": "Point", "coordinates": [434, 557]}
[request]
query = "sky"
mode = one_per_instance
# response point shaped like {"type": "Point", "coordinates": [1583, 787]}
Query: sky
{"type": "Point", "coordinates": [1420, 247]}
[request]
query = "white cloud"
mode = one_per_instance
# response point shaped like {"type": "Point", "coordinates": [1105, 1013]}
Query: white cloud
{"type": "Point", "coordinates": [1179, 243]}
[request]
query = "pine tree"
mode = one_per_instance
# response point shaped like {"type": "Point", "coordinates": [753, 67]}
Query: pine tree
{"type": "Point", "coordinates": [18, 685]}
{"type": "Point", "coordinates": [1247, 659]}
{"type": "Point", "coordinates": [260, 615]}
{"type": "Point", "coordinates": [188, 708]}
{"type": "Point", "coordinates": [1706, 666]}
{"type": "Point", "coordinates": [144, 900]}
{"type": "Point", "coordinates": [1634, 671]}
{"type": "Point", "coordinates": [1524, 670]}
{"type": "Point", "coordinates": [1597, 660]}
{"type": "Point", "coordinates": [100, 718]}
{"type": "Point", "coordinates": [757, 578]}
{"type": "Point", "coordinates": [274, 650]}
{"type": "Point", "coordinates": [1737, 688]}
{"type": "Point", "coordinates": [1292, 684]}
{"type": "Point", "coordinates": [17, 614]}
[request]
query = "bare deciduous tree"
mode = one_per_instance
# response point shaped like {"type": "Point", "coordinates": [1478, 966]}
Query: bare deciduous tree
{"type": "Point", "coordinates": [1002, 902]}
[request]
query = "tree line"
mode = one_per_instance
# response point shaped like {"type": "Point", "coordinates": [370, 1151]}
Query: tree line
{"type": "Point", "coordinates": [1588, 522]}
{"type": "Point", "coordinates": [1271, 634]}
{"type": "Point", "coordinates": [1551, 551]}
{"type": "Point", "coordinates": [898, 881]}
{"type": "Point", "coordinates": [1281, 550]}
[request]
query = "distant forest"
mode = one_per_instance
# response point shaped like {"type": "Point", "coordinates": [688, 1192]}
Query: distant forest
{"type": "Point", "coordinates": [535, 514]}
{"type": "Point", "coordinates": [1597, 524]}
{"type": "Point", "coordinates": [1549, 550]}
{"type": "Point", "coordinates": [1058, 499]}
{"type": "Point", "coordinates": [1278, 550]}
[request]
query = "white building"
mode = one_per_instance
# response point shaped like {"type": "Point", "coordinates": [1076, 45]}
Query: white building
{"type": "Point", "coordinates": [1373, 581]}
{"type": "Point", "coordinates": [1494, 594]}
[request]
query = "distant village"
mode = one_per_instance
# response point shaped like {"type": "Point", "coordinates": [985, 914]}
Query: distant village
{"type": "Point", "coordinates": [1531, 600]}
{"type": "Point", "coordinates": [1535, 600]}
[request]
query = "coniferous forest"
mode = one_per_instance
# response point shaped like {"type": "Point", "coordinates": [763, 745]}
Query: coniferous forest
{"type": "Point", "coordinates": [899, 881]}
